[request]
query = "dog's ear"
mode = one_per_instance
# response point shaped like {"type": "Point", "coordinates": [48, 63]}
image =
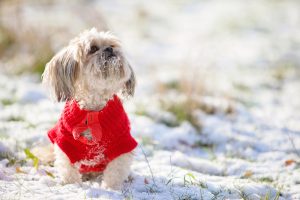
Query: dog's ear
{"type": "Point", "coordinates": [60, 74]}
{"type": "Point", "coordinates": [129, 87]}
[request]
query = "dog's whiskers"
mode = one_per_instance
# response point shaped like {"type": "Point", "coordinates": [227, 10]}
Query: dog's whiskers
{"type": "Point", "coordinates": [111, 68]}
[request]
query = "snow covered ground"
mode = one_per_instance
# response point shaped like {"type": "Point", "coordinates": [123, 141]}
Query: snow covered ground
{"type": "Point", "coordinates": [242, 62]}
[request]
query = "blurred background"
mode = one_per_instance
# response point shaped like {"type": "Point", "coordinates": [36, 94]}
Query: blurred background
{"type": "Point", "coordinates": [186, 47]}
{"type": "Point", "coordinates": [215, 78]}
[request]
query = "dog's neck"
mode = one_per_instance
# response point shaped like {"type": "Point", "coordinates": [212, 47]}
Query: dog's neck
{"type": "Point", "coordinates": [93, 102]}
{"type": "Point", "coordinates": [93, 96]}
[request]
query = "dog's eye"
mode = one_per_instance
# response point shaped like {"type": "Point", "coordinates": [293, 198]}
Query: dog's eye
{"type": "Point", "coordinates": [93, 49]}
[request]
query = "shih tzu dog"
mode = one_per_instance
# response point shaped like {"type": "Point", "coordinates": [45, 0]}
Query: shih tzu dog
{"type": "Point", "coordinates": [93, 133]}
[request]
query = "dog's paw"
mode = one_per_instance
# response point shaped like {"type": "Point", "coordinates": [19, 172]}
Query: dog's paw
{"type": "Point", "coordinates": [115, 186]}
{"type": "Point", "coordinates": [70, 180]}
{"type": "Point", "coordinates": [66, 182]}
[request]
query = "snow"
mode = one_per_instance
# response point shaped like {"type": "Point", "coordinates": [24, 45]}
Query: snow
{"type": "Point", "coordinates": [230, 49]}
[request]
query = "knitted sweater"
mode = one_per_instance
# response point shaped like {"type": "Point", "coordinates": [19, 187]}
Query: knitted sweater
{"type": "Point", "coordinates": [110, 130]}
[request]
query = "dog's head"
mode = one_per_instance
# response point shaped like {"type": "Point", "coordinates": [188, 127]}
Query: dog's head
{"type": "Point", "coordinates": [93, 59]}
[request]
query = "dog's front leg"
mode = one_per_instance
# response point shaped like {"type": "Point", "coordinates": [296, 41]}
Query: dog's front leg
{"type": "Point", "coordinates": [117, 171]}
{"type": "Point", "coordinates": [66, 171]}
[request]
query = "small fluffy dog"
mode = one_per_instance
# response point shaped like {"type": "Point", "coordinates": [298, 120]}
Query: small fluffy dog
{"type": "Point", "coordinates": [93, 132]}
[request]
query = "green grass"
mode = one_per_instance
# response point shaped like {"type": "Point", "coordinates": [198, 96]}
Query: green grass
{"type": "Point", "coordinates": [183, 111]}
{"type": "Point", "coordinates": [12, 159]}
{"type": "Point", "coordinates": [242, 87]}
{"type": "Point", "coordinates": [141, 110]}
{"type": "Point", "coordinates": [266, 179]}
{"type": "Point", "coordinates": [189, 179]}
{"type": "Point", "coordinates": [7, 102]}
{"type": "Point", "coordinates": [192, 89]}
{"type": "Point", "coordinates": [267, 196]}
{"type": "Point", "coordinates": [16, 119]}
{"type": "Point", "coordinates": [204, 145]}
{"type": "Point", "coordinates": [284, 70]}
{"type": "Point", "coordinates": [32, 157]}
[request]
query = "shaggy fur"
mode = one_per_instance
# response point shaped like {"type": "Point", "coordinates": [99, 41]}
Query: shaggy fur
{"type": "Point", "coordinates": [90, 70]}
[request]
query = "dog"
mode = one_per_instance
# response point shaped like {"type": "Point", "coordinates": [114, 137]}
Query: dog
{"type": "Point", "coordinates": [92, 75]}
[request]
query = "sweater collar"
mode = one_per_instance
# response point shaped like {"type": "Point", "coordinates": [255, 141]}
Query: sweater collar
{"type": "Point", "coordinates": [73, 115]}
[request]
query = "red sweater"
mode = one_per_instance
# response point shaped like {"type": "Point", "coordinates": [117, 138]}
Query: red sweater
{"type": "Point", "coordinates": [110, 130]}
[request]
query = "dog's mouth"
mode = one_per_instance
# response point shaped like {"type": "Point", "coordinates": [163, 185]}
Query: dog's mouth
{"type": "Point", "coordinates": [110, 56]}
{"type": "Point", "coordinates": [110, 60]}
{"type": "Point", "coordinates": [112, 67]}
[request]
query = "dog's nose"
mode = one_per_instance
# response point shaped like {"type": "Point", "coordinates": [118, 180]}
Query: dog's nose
{"type": "Point", "coordinates": [109, 52]}
{"type": "Point", "coordinates": [108, 49]}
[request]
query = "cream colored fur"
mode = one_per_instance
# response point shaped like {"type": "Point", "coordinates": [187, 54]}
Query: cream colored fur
{"type": "Point", "coordinates": [66, 171]}
{"type": "Point", "coordinates": [91, 77]}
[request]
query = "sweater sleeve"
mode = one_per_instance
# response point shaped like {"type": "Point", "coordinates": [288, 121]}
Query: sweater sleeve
{"type": "Point", "coordinates": [52, 133]}
{"type": "Point", "coordinates": [116, 126]}
{"type": "Point", "coordinates": [125, 145]}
